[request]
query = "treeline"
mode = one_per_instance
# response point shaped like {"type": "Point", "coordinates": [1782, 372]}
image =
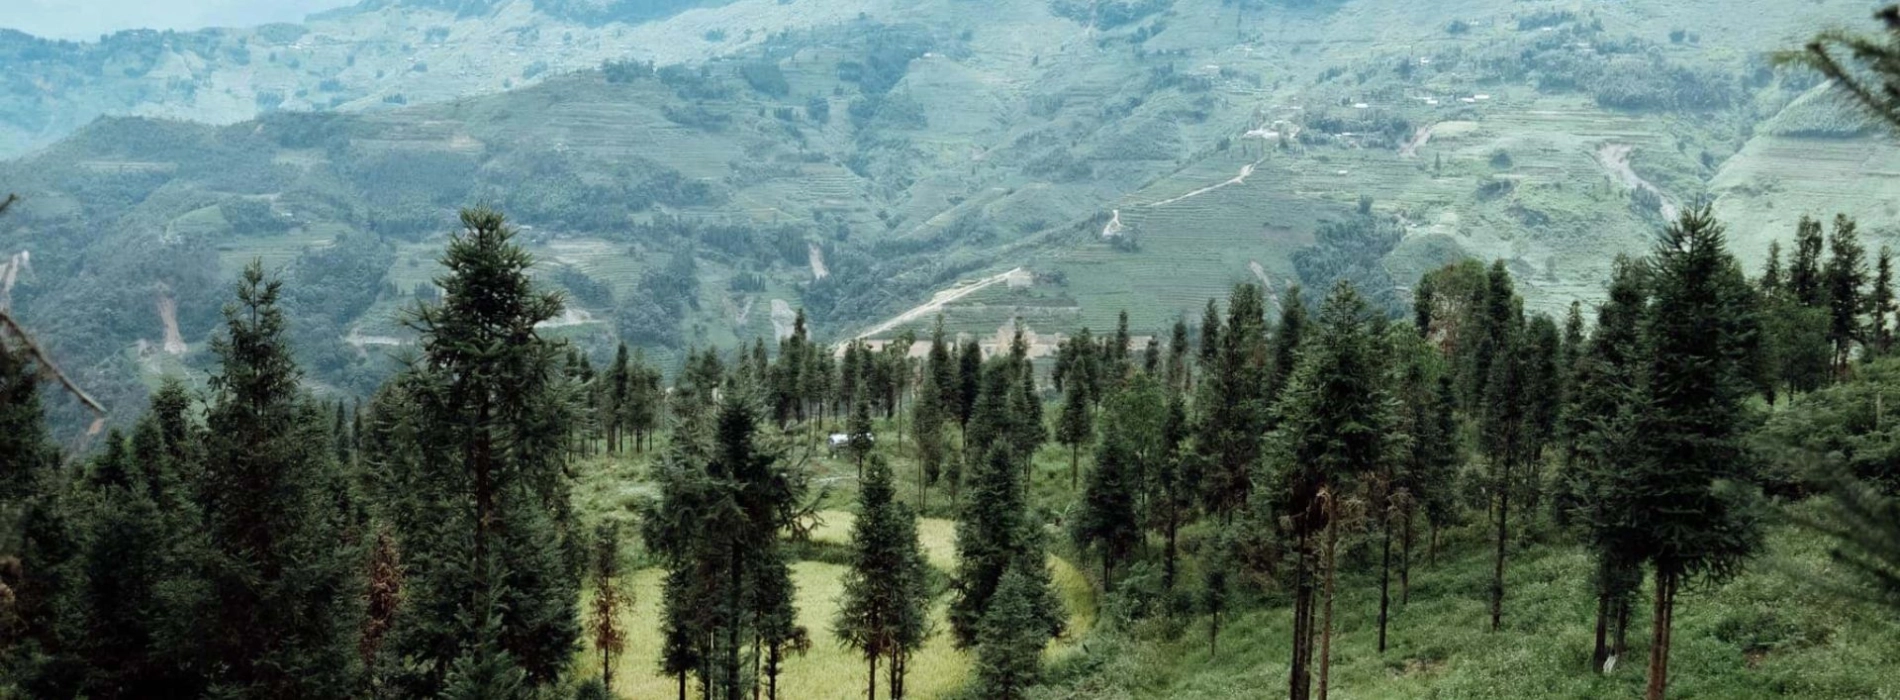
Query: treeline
{"type": "Point", "coordinates": [1284, 446]}
{"type": "Point", "coordinates": [251, 541]}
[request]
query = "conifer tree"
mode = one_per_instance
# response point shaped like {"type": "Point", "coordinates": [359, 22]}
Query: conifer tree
{"type": "Point", "coordinates": [1171, 494]}
{"type": "Point", "coordinates": [1075, 426]}
{"type": "Point", "coordinates": [927, 425]}
{"type": "Point", "coordinates": [882, 612]}
{"type": "Point", "coordinates": [861, 435]}
{"type": "Point", "coordinates": [1505, 432]}
{"type": "Point", "coordinates": [1867, 69]}
{"type": "Point", "coordinates": [1180, 376]}
{"type": "Point", "coordinates": [1700, 333]}
{"type": "Point", "coordinates": [1805, 278]}
{"type": "Point", "coordinates": [1010, 638]}
{"type": "Point", "coordinates": [1210, 336]}
{"type": "Point", "coordinates": [1845, 277]}
{"type": "Point", "coordinates": [1880, 306]}
{"type": "Point", "coordinates": [1771, 275]}
{"type": "Point", "coordinates": [1285, 346]}
{"type": "Point", "coordinates": [1603, 413]}
{"type": "Point", "coordinates": [994, 533]}
{"type": "Point", "coordinates": [491, 522]}
{"type": "Point", "coordinates": [1234, 403]}
{"type": "Point", "coordinates": [1133, 447]}
{"type": "Point", "coordinates": [1335, 422]}
{"type": "Point", "coordinates": [609, 636]}
{"type": "Point", "coordinates": [969, 384]}
{"type": "Point", "coordinates": [286, 591]}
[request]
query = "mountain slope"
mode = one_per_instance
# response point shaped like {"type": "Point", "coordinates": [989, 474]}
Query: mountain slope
{"type": "Point", "coordinates": [855, 158]}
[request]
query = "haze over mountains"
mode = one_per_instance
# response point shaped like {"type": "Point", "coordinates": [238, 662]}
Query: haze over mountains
{"type": "Point", "coordinates": [691, 172]}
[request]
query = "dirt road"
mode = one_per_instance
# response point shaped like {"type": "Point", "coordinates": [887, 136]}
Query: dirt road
{"type": "Point", "coordinates": [1615, 157]}
{"type": "Point", "coordinates": [938, 301]}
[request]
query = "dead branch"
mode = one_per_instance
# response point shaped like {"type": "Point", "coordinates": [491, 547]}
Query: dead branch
{"type": "Point", "coordinates": [49, 368]}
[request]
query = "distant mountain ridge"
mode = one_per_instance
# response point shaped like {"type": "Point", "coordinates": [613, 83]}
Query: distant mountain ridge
{"type": "Point", "coordinates": [374, 55]}
{"type": "Point", "coordinates": [691, 180]}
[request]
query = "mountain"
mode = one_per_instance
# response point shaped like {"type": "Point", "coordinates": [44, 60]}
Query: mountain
{"type": "Point", "coordinates": [692, 173]}
{"type": "Point", "coordinates": [372, 56]}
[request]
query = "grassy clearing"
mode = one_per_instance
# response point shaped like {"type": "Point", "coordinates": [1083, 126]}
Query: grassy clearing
{"type": "Point", "coordinates": [1776, 631]}
{"type": "Point", "coordinates": [613, 488]}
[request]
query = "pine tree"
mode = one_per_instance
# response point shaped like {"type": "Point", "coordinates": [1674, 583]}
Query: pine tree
{"type": "Point", "coordinates": [1880, 306]}
{"type": "Point", "coordinates": [969, 384]}
{"type": "Point", "coordinates": [927, 425]}
{"type": "Point", "coordinates": [1285, 346]}
{"type": "Point", "coordinates": [882, 610]}
{"type": "Point", "coordinates": [609, 636]}
{"type": "Point", "coordinates": [1805, 278]}
{"type": "Point", "coordinates": [287, 608]}
{"type": "Point", "coordinates": [1011, 637]}
{"type": "Point", "coordinates": [1075, 426]}
{"type": "Point", "coordinates": [1172, 495]}
{"type": "Point", "coordinates": [1234, 403]}
{"type": "Point", "coordinates": [1335, 421]}
{"type": "Point", "coordinates": [861, 434]}
{"type": "Point", "coordinates": [716, 527]}
{"type": "Point", "coordinates": [994, 533]}
{"type": "Point", "coordinates": [1700, 332]}
{"type": "Point", "coordinates": [1504, 427]}
{"type": "Point", "coordinates": [1844, 277]}
{"type": "Point", "coordinates": [1603, 413]}
{"type": "Point", "coordinates": [1771, 276]}
{"type": "Point", "coordinates": [1180, 377]}
{"type": "Point", "coordinates": [489, 520]}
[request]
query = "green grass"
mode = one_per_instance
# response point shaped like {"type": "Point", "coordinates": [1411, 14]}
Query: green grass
{"type": "Point", "coordinates": [614, 488]}
{"type": "Point", "coordinates": [1776, 631]}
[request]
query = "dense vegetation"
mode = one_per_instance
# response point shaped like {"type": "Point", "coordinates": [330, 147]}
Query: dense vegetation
{"type": "Point", "coordinates": [1292, 465]}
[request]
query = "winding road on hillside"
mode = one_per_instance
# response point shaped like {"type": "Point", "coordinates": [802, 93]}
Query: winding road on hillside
{"type": "Point", "coordinates": [1615, 157]}
{"type": "Point", "coordinates": [1245, 170]}
{"type": "Point", "coordinates": [938, 301]}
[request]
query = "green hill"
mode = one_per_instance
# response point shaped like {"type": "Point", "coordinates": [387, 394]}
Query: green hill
{"type": "Point", "coordinates": [855, 159]}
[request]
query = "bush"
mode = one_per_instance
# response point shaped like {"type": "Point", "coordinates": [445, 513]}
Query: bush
{"type": "Point", "coordinates": [765, 77]}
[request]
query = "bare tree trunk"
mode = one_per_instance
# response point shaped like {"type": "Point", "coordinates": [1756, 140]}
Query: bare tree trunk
{"type": "Point", "coordinates": [1385, 577]}
{"type": "Point", "coordinates": [1497, 574]}
{"type": "Point", "coordinates": [1622, 627]}
{"type": "Point", "coordinates": [1405, 560]}
{"type": "Point", "coordinates": [1326, 622]}
{"type": "Point", "coordinates": [1167, 565]}
{"type": "Point", "coordinates": [1662, 631]}
{"type": "Point", "coordinates": [1296, 676]}
{"type": "Point", "coordinates": [1602, 652]}
{"type": "Point", "coordinates": [870, 686]}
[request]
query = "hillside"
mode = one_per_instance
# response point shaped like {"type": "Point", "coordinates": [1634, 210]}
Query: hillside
{"type": "Point", "coordinates": [855, 159]}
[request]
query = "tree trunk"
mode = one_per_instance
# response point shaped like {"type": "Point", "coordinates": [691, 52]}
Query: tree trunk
{"type": "Point", "coordinates": [682, 685]}
{"type": "Point", "coordinates": [1385, 577]}
{"type": "Point", "coordinates": [1659, 635]}
{"type": "Point", "coordinates": [1302, 594]}
{"type": "Point", "coordinates": [1497, 573]}
{"type": "Point", "coordinates": [1622, 627]}
{"type": "Point", "coordinates": [870, 685]}
{"type": "Point", "coordinates": [1405, 560]}
{"type": "Point", "coordinates": [1432, 560]}
{"type": "Point", "coordinates": [1326, 621]}
{"type": "Point", "coordinates": [1167, 559]}
{"type": "Point", "coordinates": [894, 680]}
{"type": "Point", "coordinates": [1075, 461]}
{"type": "Point", "coordinates": [1602, 652]}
